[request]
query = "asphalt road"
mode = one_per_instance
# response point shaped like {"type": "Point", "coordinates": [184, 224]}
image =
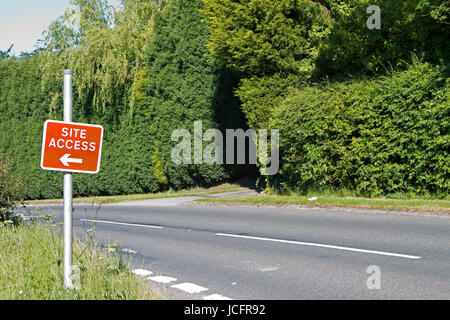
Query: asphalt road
{"type": "Point", "coordinates": [192, 251]}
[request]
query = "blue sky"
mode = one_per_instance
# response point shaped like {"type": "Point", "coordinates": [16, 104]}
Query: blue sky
{"type": "Point", "coordinates": [23, 21]}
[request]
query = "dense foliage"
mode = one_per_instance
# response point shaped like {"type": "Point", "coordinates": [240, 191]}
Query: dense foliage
{"type": "Point", "coordinates": [281, 44]}
{"type": "Point", "coordinates": [357, 134]}
{"type": "Point", "coordinates": [418, 27]}
{"type": "Point", "coordinates": [111, 89]}
{"type": "Point", "coordinates": [24, 106]}
{"type": "Point", "coordinates": [357, 108]}
{"type": "Point", "coordinates": [377, 136]}
{"type": "Point", "coordinates": [184, 86]}
{"type": "Point", "coordinates": [9, 193]}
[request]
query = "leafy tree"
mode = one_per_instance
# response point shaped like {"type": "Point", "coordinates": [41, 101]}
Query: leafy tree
{"type": "Point", "coordinates": [104, 48]}
{"type": "Point", "coordinates": [183, 87]}
{"type": "Point", "coordinates": [89, 41]}
{"type": "Point", "coordinates": [264, 37]}
{"type": "Point", "coordinates": [5, 54]}
{"type": "Point", "coordinates": [271, 44]}
{"type": "Point", "coordinates": [413, 27]}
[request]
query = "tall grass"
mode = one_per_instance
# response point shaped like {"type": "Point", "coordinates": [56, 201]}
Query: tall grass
{"type": "Point", "coordinates": [31, 268]}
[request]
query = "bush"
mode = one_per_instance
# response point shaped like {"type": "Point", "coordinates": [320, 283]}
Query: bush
{"type": "Point", "coordinates": [9, 192]}
{"type": "Point", "coordinates": [260, 95]}
{"type": "Point", "coordinates": [377, 136]}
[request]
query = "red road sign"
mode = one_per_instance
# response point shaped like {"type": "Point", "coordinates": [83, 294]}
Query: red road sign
{"type": "Point", "coordinates": [71, 147]}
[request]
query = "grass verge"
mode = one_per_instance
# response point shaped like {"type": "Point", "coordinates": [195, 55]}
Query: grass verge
{"type": "Point", "coordinates": [331, 201]}
{"type": "Point", "coordinates": [226, 187]}
{"type": "Point", "coordinates": [31, 268]}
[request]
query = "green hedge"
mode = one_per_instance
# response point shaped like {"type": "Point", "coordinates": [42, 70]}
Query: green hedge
{"type": "Point", "coordinates": [179, 85]}
{"type": "Point", "coordinates": [24, 106]}
{"type": "Point", "coordinates": [377, 137]}
{"type": "Point", "coordinates": [185, 85]}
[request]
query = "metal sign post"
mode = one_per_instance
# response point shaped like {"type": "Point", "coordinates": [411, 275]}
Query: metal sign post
{"type": "Point", "coordinates": [70, 147]}
{"type": "Point", "coordinates": [68, 74]}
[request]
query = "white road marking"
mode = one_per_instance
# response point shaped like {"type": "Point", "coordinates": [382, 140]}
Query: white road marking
{"type": "Point", "coordinates": [216, 296]}
{"type": "Point", "coordinates": [123, 224]}
{"type": "Point", "coordinates": [189, 287]}
{"type": "Point", "coordinates": [162, 279]}
{"type": "Point", "coordinates": [321, 245]}
{"type": "Point", "coordinates": [268, 269]}
{"type": "Point", "coordinates": [142, 272]}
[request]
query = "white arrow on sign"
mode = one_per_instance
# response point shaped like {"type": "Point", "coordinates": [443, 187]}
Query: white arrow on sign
{"type": "Point", "coordinates": [65, 160]}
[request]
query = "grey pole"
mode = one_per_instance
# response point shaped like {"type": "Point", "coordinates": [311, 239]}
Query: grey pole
{"type": "Point", "coordinates": [68, 189]}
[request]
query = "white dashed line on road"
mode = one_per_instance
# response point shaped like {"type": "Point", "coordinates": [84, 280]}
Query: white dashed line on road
{"type": "Point", "coordinates": [189, 287]}
{"type": "Point", "coordinates": [216, 296]}
{"type": "Point", "coordinates": [142, 272]}
{"type": "Point", "coordinates": [162, 279]}
{"type": "Point", "coordinates": [320, 245]}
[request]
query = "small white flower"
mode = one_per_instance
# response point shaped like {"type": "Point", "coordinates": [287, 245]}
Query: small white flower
{"type": "Point", "coordinates": [20, 292]}
{"type": "Point", "coordinates": [111, 250]}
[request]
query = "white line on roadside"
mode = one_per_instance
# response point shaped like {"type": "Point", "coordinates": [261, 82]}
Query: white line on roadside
{"type": "Point", "coordinates": [189, 287]}
{"type": "Point", "coordinates": [142, 272]}
{"type": "Point", "coordinates": [123, 224]}
{"type": "Point", "coordinates": [162, 279]}
{"type": "Point", "coordinates": [320, 245]}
